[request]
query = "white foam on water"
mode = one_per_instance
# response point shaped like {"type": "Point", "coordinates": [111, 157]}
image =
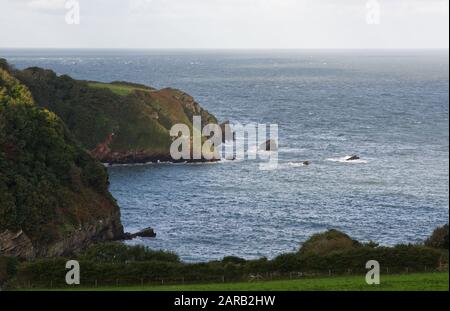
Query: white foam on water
{"type": "Point", "coordinates": [345, 160]}
{"type": "Point", "coordinates": [290, 150]}
{"type": "Point", "coordinates": [296, 164]}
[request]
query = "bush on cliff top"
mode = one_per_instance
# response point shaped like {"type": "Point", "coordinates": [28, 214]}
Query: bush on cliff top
{"type": "Point", "coordinates": [115, 252]}
{"type": "Point", "coordinates": [328, 242]}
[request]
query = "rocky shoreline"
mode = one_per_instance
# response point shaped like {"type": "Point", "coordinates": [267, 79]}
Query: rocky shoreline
{"type": "Point", "coordinates": [148, 159]}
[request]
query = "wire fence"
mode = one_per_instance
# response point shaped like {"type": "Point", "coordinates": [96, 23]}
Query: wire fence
{"type": "Point", "coordinates": [150, 281]}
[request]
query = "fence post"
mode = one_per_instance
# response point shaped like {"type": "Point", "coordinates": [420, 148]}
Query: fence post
{"type": "Point", "coordinates": [223, 278]}
{"type": "Point", "coordinates": [96, 283]}
{"type": "Point", "coordinates": [329, 272]}
{"type": "Point", "coordinates": [142, 282]}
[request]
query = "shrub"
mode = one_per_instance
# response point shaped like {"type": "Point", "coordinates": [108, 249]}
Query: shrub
{"type": "Point", "coordinates": [234, 260]}
{"type": "Point", "coordinates": [328, 242]}
{"type": "Point", "coordinates": [439, 238]}
{"type": "Point", "coordinates": [115, 252]}
{"type": "Point", "coordinates": [8, 268]}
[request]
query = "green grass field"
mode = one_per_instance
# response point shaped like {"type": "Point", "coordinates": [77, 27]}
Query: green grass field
{"type": "Point", "coordinates": [404, 282]}
{"type": "Point", "coordinates": [119, 89]}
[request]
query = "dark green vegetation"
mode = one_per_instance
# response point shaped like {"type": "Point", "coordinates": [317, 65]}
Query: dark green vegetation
{"type": "Point", "coordinates": [114, 264]}
{"type": "Point", "coordinates": [51, 189]}
{"type": "Point", "coordinates": [439, 238]}
{"type": "Point", "coordinates": [119, 122]}
{"type": "Point", "coordinates": [437, 281]}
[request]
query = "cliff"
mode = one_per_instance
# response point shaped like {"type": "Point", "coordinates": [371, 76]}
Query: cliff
{"type": "Point", "coordinates": [54, 196]}
{"type": "Point", "coordinates": [118, 122]}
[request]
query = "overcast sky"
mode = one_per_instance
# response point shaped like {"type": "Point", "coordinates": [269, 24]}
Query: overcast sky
{"type": "Point", "coordinates": [225, 24]}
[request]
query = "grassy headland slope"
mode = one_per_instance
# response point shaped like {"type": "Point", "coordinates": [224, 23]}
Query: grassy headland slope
{"type": "Point", "coordinates": [54, 196]}
{"type": "Point", "coordinates": [118, 122]}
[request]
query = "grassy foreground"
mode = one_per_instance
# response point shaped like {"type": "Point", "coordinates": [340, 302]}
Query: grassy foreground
{"type": "Point", "coordinates": [403, 282]}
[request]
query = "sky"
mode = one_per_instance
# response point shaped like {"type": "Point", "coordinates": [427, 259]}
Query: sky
{"type": "Point", "coordinates": [225, 24]}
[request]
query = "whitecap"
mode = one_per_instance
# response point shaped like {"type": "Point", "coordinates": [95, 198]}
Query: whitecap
{"type": "Point", "coordinates": [296, 164]}
{"type": "Point", "coordinates": [345, 160]}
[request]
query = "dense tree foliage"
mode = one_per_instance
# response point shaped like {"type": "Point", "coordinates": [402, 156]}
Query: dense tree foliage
{"type": "Point", "coordinates": [49, 185]}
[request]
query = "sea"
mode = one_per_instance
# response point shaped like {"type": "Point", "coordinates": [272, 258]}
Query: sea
{"type": "Point", "coordinates": [389, 107]}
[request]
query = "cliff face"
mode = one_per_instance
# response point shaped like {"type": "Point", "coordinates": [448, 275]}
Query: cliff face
{"type": "Point", "coordinates": [54, 196]}
{"type": "Point", "coordinates": [118, 122]}
{"type": "Point", "coordinates": [17, 243]}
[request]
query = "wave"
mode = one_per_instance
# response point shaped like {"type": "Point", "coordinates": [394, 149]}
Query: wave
{"type": "Point", "coordinates": [291, 150]}
{"type": "Point", "coordinates": [297, 164]}
{"type": "Point", "coordinates": [345, 160]}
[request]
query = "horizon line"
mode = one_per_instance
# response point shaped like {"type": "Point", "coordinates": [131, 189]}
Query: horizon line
{"type": "Point", "coordinates": [228, 49]}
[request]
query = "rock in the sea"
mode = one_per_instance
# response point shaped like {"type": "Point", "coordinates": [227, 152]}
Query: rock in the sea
{"type": "Point", "coordinates": [306, 163]}
{"type": "Point", "coordinates": [269, 145]}
{"type": "Point", "coordinates": [352, 158]}
{"type": "Point", "coordinates": [145, 233]}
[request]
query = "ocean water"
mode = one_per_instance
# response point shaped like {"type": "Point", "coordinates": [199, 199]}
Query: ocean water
{"type": "Point", "coordinates": [389, 107]}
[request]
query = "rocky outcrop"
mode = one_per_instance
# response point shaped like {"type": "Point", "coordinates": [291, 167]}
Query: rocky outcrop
{"type": "Point", "coordinates": [16, 244]}
{"type": "Point", "coordinates": [269, 145]}
{"type": "Point", "coordinates": [103, 149]}
{"type": "Point", "coordinates": [105, 229]}
{"type": "Point", "coordinates": [145, 233]}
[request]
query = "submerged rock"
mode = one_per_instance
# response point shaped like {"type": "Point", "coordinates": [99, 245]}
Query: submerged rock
{"type": "Point", "coordinates": [352, 158]}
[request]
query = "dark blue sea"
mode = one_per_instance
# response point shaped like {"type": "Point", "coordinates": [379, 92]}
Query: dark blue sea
{"type": "Point", "coordinates": [389, 107]}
